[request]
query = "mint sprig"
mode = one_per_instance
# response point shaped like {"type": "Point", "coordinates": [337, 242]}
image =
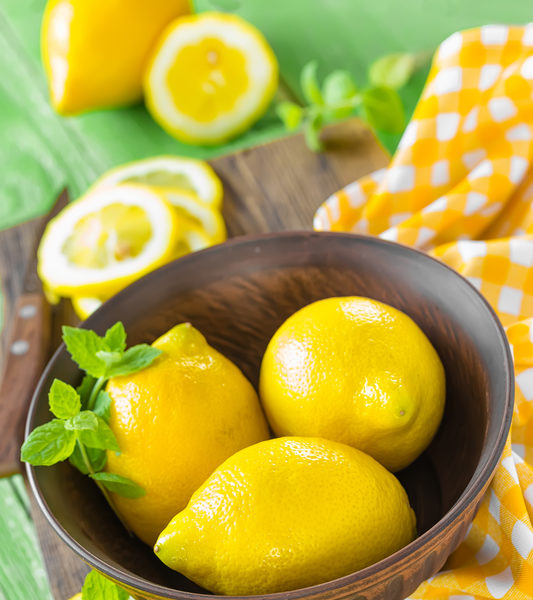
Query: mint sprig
{"type": "Point", "coordinates": [80, 432]}
{"type": "Point", "coordinates": [98, 587]}
{"type": "Point", "coordinates": [339, 97]}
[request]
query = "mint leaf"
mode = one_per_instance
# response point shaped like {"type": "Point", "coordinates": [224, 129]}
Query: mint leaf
{"type": "Point", "coordinates": [84, 390]}
{"type": "Point", "coordinates": [133, 360]}
{"type": "Point", "coordinates": [115, 338]}
{"type": "Point", "coordinates": [83, 346]}
{"type": "Point", "coordinates": [338, 87]}
{"type": "Point", "coordinates": [97, 458]}
{"type": "Point", "coordinates": [86, 420]}
{"type": "Point", "coordinates": [98, 587]}
{"type": "Point", "coordinates": [63, 399]}
{"type": "Point", "coordinates": [309, 83]}
{"type": "Point", "coordinates": [312, 132]}
{"type": "Point", "coordinates": [383, 109]}
{"type": "Point", "coordinates": [392, 71]}
{"type": "Point", "coordinates": [290, 113]}
{"type": "Point", "coordinates": [102, 406]}
{"type": "Point", "coordinates": [48, 444]}
{"type": "Point", "coordinates": [120, 485]}
{"type": "Point", "coordinates": [102, 438]}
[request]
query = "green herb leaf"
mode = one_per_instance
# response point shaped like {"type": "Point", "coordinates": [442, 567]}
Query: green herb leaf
{"type": "Point", "coordinates": [309, 83]}
{"type": "Point", "coordinates": [84, 390]}
{"type": "Point", "coordinates": [83, 345]}
{"type": "Point", "coordinates": [338, 87]}
{"type": "Point", "coordinates": [133, 360]}
{"type": "Point", "coordinates": [392, 71]}
{"type": "Point", "coordinates": [120, 485]}
{"type": "Point", "coordinates": [86, 420]}
{"type": "Point", "coordinates": [312, 132]}
{"type": "Point", "coordinates": [98, 587]}
{"type": "Point", "coordinates": [63, 399]}
{"type": "Point", "coordinates": [48, 444]}
{"type": "Point", "coordinates": [383, 109]}
{"type": "Point", "coordinates": [115, 338]}
{"type": "Point", "coordinates": [290, 113]}
{"type": "Point", "coordinates": [97, 458]}
{"type": "Point", "coordinates": [102, 438]}
{"type": "Point", "coordinates": [102, 405]}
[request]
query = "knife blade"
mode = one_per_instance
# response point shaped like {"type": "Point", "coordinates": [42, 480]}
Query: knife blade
{"type": "Point", "coordinates": [26, 351]}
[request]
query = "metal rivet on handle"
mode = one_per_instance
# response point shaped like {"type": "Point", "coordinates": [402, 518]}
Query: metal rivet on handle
{"type": "Point", "coordinates": [28, 311]}
{"type": "Point", "coordinates": [19, 347]}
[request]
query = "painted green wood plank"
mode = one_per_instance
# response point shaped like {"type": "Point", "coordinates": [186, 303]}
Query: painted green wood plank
{"type": "Point", "coordinates": [22, 575]}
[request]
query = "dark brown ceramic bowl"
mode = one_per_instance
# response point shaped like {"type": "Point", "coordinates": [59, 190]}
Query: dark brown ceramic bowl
{"type": "Point", "coordinates": [238, 294]}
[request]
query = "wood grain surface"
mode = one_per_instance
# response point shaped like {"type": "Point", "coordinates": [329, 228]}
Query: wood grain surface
{"type": "Point", "coordinates": [274, 187]}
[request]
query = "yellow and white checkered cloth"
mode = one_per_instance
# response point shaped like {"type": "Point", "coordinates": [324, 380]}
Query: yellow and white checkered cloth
{"type": "Point", "coordinates": [460, 186]}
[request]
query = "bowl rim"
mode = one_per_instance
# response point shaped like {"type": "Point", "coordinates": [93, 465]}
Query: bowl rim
{"type": "Point", "coordinates": [472, 489]}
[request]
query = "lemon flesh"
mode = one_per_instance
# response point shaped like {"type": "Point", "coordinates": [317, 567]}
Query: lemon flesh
{"type": "Point", "coordinates": [105, 240]}
{"type": "Point", "coordinates": [94, 52]}
{"type": "Point", "coordinates": [186, 174]}
{"type": "Point", "coordinates": [285, 514]}
{"type": "Point", "coordinates": [356, 371]}
{"type": "Point", "coordinates": [175, 422]}
{"type": "Point", "coordinates": [210, 77]}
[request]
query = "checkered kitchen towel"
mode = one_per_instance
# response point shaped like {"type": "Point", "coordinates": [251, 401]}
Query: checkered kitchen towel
{"type": "Point", "coordinates": [460, 187]}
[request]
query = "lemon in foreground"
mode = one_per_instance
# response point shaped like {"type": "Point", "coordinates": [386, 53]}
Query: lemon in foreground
{"type": "Point", "coordinates": [175, 422]}
{"type": "Point", "coordinates": [209, 78]}
{"type": "Point", "coordinates": [285, 514]}
{"type": "Point", "coordinates": [356, 371]}
{"type": "Point", "coordinates": [187, 174]}
{"type": "Point", "coordinates": [105, 240]}
{"type": "Point", "coordinates": [94, 52]}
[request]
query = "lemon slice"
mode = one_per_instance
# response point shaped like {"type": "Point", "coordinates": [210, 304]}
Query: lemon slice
{"type": "Point", "coordinates": [188, 174]}
{"type": "Point", "coordinates": [105, 240]}
{"type": "Point", "coordinates": [209, 77]}
{"type": "Point", "coordinates": [190, 206]}
{"type": "Point", "coordinates": [84, 307]}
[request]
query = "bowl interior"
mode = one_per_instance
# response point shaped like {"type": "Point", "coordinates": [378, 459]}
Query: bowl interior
{"type": "Point", "coordinates": [238, 294]}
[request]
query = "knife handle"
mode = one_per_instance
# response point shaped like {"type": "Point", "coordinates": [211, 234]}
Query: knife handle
{"type": "Point", "coordinates": [25, 356]}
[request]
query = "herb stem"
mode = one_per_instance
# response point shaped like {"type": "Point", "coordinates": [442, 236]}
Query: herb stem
{"type": "Point", "coordinates": [104, 491]}
{"type": "Point", "coordinates": [99, 384]}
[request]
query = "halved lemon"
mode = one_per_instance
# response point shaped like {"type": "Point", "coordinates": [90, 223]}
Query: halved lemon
{"type": "Point", "coordinates": [188, 174]}
{"type": "Point", "coordinates": [209, 78]}
{"type": "Point", "coordinates": [191, 207]}
{"type": "Point", "coordinates": [105, 240]}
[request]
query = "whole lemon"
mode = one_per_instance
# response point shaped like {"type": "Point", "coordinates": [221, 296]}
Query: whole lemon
{"type": "Point", "coordinates": [356, 371]}
{"type": "Point", "coordinates": [175, 422]}
{"type": "Point", "coordinates": [94, 53]}
{"type": "Point", "coordinates": [285, 514]}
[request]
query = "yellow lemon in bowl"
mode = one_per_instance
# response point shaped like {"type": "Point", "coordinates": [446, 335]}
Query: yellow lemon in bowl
{"type": "Point", "coordinates": [175, 422]}
{"type": "Point", "coordinates": [356, 371]}
{"type": "Point", "coordinates": [288, 513]}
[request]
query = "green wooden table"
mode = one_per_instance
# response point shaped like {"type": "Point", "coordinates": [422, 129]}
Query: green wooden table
{"type": "Point", "coordinates": [40, 152]}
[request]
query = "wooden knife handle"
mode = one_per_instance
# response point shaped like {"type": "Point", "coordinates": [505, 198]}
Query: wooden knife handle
{"type": "Point", "coordinates": [25, 357]}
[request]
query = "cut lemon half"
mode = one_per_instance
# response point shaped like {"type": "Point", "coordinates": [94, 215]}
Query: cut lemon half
{"type": "Point", "coordinates": [105, 240]}
{"type": "Point", "coordinates": [191, 207]}
{"type": "Point", "coordinates": [188, 174]}
{"type": "Point", "coordinates": [210, 77]}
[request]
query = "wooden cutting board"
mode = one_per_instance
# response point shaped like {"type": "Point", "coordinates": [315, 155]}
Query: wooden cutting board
{"type": "Point", "coordinates": [274, 187]}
